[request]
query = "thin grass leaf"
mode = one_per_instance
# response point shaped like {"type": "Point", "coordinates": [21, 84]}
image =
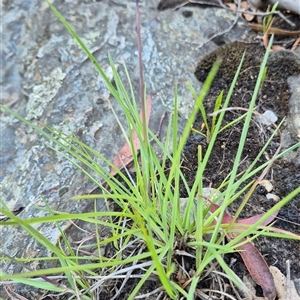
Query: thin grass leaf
{"type": "Point", "coordinates": [217, 107]}
{"type": "Point", "coordinates": [38, 283]}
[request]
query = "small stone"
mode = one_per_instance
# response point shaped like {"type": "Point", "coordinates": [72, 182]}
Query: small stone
{"type": "Point", "coordinates": [267, 185]}
{"type": "Point", "coordinates": [268, 117]}
{"type": "Point", "coordinates": [272, 197]}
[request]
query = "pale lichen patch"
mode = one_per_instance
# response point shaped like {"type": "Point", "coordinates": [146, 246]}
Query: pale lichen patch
{"type": "Point", "coordinates": [42, 94]}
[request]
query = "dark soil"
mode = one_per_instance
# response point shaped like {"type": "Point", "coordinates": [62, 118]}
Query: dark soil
{"type": "Point", "coordinates": [284, 176]}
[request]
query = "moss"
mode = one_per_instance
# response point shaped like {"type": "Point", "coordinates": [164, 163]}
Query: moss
{"type": "Point", "coordinates": [281, 64]}
{"type": "Point", "coordinates": [231, 55]}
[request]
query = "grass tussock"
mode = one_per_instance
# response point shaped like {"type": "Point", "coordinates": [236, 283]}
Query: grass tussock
{"type": "Point", "coordinates": [150, 230]}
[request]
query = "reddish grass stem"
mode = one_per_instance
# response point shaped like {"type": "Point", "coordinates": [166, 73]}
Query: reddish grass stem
{"type": "Point", "coordinates": [141, 79]}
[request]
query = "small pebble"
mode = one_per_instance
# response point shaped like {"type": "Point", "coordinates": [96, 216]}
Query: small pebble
{"type": "Point", "coordinates": [268, 116]}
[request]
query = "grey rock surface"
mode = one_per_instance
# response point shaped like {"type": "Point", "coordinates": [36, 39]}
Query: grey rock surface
{"type": "Point", "coordinates": [48, 79]}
